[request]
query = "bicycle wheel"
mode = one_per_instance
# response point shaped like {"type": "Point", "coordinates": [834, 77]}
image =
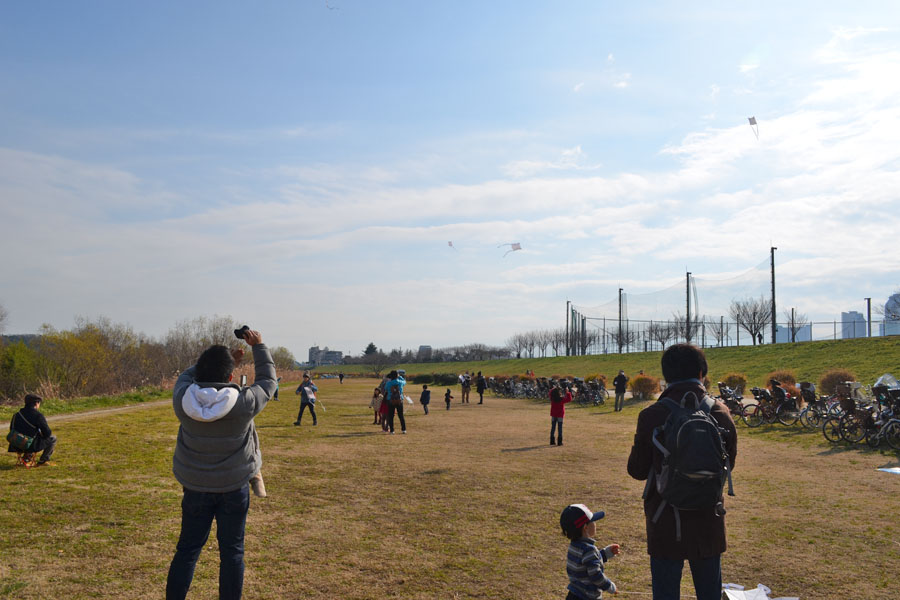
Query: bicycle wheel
{"type": "Point", "coordinates": [851, 428]}
{"type": "Point", "coordinates": [786, 415]}
{"type": "Point", "coordinates": [753, 416]}
{"type": "Point", "coordinates": [815, 418]}
{"type": "Point", "coordinates": [831, 430]}
{"type": "Point", "coordinates": [804, 417]}
{"type": "Point", "coordinates": [604, 395]}
{"type": "Point", "coordinates": [892, 434]}
{"type": "Point", "coordinates": [873, 437]}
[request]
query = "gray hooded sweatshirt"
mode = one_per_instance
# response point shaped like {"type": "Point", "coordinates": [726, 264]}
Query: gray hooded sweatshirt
{"type": "Point", "coordinates": [217, 448]}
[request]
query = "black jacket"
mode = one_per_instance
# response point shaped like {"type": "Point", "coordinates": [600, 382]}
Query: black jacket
{"type": "Point", "coordinates": [703, 532]}
{"type": "Point", "coordinates": [32, 423]}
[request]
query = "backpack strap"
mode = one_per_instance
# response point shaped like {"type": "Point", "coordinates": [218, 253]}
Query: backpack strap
{"type": "Point", "coordinates": [21, 416]}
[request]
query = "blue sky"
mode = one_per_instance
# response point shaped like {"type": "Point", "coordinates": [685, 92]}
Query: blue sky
{"type": "Point", "coordinates": [301, 166]}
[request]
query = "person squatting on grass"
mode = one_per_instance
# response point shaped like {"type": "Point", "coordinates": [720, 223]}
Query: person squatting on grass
{"type": "Point", "coordinates": [557, 412]}
{"type": "Point", "coordinates": [375, 404]}
{"type": "Point", "coordinates": [702, 531]}
{"type": "Point", "coordinates": [31, 422]}
{"type": "Point", "coordinates": [216, 455]}
{"type": "Point", "coordinates": [620, 382]}
{"type": "Point", "coordinates": [584, 561]}
{"type": "Point", "coordinates": [425, 398]}
{"type": "Point", "coordinates": [393, 390]}
{"type": "Point", "coordinates": [307, 390]}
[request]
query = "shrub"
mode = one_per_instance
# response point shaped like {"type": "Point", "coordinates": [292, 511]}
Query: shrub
{"type": "Point", "coordinates": [444, 379]}
{"type": "Point", "coordinates": [597, 377]}
{"type": "Point", "coordinates": [785, 376]}
{"type": "Point", "coordinates": [422, 378]}
{"type": "Point", "coordinates": [833, 377]}
{"type": "Point", "coordinates": [643, 386]}
{"type": "Point", "coordinates": [736, 381]}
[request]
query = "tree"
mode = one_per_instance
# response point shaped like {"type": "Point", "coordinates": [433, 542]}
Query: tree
{"type": "Point", "coordinates": [752, 314]}
{"type": "Point", "coordinates": [795, 321]}
{"type": "Point", "coordinates": [660, 332]}
{"type": "Point", "coordinates": [516, 343]}
{"type": "Point", "coordinates": [4, 315]}
{"type": "Point", "coordinates": [719, 329]}
{"type": "Point", "coordinates": [557, 340]}
{"type": "Point", "coordinates": [379, 361]}
{"type": "Point", "coordinates": [370, 349]}
{"type": "Point", "coordinates": [283, 358]}
{"type": "Point", "coordinates": [683, 329]}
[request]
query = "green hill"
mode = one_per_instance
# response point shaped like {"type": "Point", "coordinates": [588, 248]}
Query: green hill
{"type": "Point", "coordinates": [868, 358]}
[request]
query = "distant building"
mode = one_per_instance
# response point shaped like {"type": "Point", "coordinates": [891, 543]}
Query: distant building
{"type": "Point", "coordinates": [891, 325]}
{"type": "Point", "coordinates": [320, 357]}
{"type": "Point", "coordinates": [853, 325]}
{"type": "Point", "coordinates": [424, 354]}
{"type": "Point", "coordinates": [783, 334]}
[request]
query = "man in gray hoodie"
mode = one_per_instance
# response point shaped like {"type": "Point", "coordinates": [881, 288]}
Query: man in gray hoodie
{"type": "Point", "coordinates": [216, 454]}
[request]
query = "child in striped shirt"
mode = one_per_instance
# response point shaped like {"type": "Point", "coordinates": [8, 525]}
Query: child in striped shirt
{"type": "Point", "coordinates": [584, 562]}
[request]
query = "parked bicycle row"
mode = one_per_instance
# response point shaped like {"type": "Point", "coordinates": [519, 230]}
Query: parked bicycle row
{"type": "Point", "coordinates": [851, 414]}
{"type": "Point", "coordinates": [591, 392]}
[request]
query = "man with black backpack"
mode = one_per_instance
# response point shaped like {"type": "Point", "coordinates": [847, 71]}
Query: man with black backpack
{"type": "Point", "coordinates": [685, 447]}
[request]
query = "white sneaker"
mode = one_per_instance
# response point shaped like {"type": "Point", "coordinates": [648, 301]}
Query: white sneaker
{"type": "Point", "coordinates": [403, 432]}
{"type": "Point", "coordinates": [257, 485]}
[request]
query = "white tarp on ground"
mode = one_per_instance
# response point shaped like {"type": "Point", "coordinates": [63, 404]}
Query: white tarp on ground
{"type": "Point", "coordinates": [734, 591]}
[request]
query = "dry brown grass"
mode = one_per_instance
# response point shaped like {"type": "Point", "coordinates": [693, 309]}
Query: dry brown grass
{"type": "Point", "coordinates": [465, 506]}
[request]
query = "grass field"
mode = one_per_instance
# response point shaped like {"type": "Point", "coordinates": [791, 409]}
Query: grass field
{"type": "Point", "coordinates": [868, 358]}
{"type": "Point", "coordinates": [465, 506]}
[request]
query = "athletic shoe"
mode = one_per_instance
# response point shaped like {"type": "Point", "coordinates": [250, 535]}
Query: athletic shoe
{"type": "Point", "coordinates": [46, 463]}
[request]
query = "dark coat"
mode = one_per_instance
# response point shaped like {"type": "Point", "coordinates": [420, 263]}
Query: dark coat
{"type": "Point", "coordinates": [38, 428]}
{"type": "Point", "coordinates": [619, 382]}
{"type": "Point", "coordinates": [702, 531]}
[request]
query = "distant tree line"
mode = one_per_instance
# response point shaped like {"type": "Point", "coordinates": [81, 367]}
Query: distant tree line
{"type": "Point", "coordinates": [99, 357]}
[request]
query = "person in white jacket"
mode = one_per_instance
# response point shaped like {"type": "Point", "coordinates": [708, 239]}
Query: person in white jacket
{"type": "Point", "coordinates": [216, 456]}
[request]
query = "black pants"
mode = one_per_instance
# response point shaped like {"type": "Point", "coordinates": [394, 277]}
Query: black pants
{"type": "Point", "coordinates": [399, 411]}
{"type": "Point", "coordinates": [312, 411]}
{"type": "Point", "coordinates": [553, 422]}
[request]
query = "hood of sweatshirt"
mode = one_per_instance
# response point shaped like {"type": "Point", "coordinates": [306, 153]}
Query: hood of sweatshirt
{"type": "Point", "coordinates": [208, 403]}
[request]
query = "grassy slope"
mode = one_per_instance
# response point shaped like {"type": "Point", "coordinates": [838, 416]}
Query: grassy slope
{"type": "Point", "coordinates": [868, 358]}
{"type": "Point", "coordinates": [465, 506]}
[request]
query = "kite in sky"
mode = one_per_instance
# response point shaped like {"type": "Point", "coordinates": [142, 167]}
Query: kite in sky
{"type": "Point", "coordinates": [452, 246]}
{"type": "Point", "coordinates": [754, 126]}
{"type": "Point", "coordinates": [512, 247]}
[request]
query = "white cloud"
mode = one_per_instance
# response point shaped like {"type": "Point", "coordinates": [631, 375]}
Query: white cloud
{"type": "Point", "coordinates": [578, 87]}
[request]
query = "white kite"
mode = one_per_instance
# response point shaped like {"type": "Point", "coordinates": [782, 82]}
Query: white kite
{"type": "Point", "coordinates": [512, 247]}
{"type": "Point", "coordinates": [734, 591]}
{"type": "Point", "coordinates": [754, 126]}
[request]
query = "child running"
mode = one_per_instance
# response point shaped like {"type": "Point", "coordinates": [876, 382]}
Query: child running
{"type": "Point", "coordinates": [447, 398]}
{"type": "Point", "coordinates": [584, 561]}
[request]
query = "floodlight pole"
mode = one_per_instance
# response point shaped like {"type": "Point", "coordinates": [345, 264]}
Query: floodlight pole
{"type": "Point", "coordinates": [687, 313]}
{"type": "Point", "coordinates": [620, 321]}
{"type": "Point", "coordinates": [568, 302]}
{"type": "Point", "coordinates": [773, 293]}
{"type": "Point", "coordinates": [869, 315]}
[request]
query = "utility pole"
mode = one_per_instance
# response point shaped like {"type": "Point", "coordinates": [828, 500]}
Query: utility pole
{"type": "Point", "coordinates": [687, 312]}
{"type": "Point", "coordinates": [620, 321]}
{"type": "Point", "coordinates": [773, 293]}
{"type": "Point", "coordinates": [869, 315]}
{"type": "Point", "coordinates": [568, 302]}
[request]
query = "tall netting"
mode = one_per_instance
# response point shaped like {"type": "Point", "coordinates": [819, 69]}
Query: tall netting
{"type": "Point", "coordinates": [698, 310]}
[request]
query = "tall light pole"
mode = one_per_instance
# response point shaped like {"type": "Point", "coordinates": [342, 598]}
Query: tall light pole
{"type": "Point", "coordinates": [773, 293]}
{"type": "Point", "coordinates": [869, 315]}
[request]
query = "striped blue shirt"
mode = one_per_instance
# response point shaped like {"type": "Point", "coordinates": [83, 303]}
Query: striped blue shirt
{"type": "Point", "coordinates": [584, 565]}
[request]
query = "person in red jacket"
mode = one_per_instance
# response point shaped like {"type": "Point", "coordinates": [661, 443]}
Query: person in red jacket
{"type": "Point", "coordinates": [557, 412]}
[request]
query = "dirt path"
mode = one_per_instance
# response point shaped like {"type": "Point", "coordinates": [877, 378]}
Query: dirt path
{"type": "Point", "coordinates": [93, 413]}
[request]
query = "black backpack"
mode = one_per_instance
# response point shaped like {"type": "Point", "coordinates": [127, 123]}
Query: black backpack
{"type": "Point", "coordinates": [695, 461]}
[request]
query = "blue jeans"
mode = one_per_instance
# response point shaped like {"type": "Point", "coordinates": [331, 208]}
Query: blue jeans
{"type": "Point", "coordinates": [665, 575]}
{"type": "Point", "coordinates": [198, 509]}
